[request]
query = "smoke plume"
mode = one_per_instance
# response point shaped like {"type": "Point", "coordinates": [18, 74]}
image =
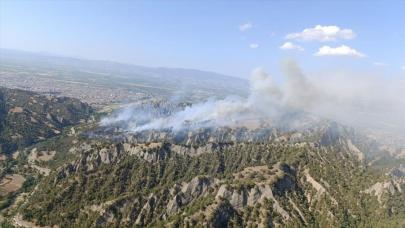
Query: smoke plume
{"type": "Point", "coordinates": [362, 101]}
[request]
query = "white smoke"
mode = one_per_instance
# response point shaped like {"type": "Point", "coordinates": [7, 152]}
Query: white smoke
{"type": "Point", "coordinates": [361, 101]}
{"type": "Point", "coordinates": [263, 102]}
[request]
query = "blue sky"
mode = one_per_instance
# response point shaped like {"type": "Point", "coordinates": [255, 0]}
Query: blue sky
{"type": "Point", "coordinates": [213, 35]}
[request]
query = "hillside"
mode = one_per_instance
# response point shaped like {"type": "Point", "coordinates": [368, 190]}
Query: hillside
{"type": "Point", "coordinates": [316, 178]}
{"type": "Point", "coordinates": [71, 172]}
{"type": "Point", "coordinates": [27, 117]}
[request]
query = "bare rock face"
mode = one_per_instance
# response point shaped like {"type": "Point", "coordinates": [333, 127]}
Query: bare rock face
{"type": "Point", "coordinates": [380, 188]}
{"type": "Point", "coordinates": [394, 184]}
{"type": "Point", "coordinates": [355, 151]}
{"type": "Point", "coordinates": [246, 197]}
{"type": "Point", "coordinates": [238, 200]}
{"type": "Point", "coordinates": [254, 196]}
{"type": "Point", "coordinates": [197, 187]}
{"type": "Point", "coordinates": [228, 197]}
{"type": "Point", "coordinates": [146, 210]}
{"type": "Point", "coordinates": [223, 192]}
{"type": "Point", "coordinates": [92, 156]}
{"type": "Point", "coordinates": [151, 152]}
{"type": "Point", "coordinates": [193, 151]}
{"type": "Point", "coordinates": [108, 155]}
{"type": "Point", "coordinates": [174, 205]}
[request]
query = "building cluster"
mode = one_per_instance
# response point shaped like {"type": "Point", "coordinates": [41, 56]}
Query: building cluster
{"type": "Point", "coordinates": [91, 93]}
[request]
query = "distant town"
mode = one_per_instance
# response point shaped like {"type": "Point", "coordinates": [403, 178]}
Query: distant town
{"type": "Point", "coordinates": [93, 94]}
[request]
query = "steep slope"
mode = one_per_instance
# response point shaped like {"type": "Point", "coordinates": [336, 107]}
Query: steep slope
{"type": "Point", "coordinates": [318, 180]}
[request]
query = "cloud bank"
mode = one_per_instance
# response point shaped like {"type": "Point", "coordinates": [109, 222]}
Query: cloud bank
{"type": "Point", "coordinates": [322, 34]}
{"type": "Point", "coordinates": [291, 46]}
{"type": "Point", "coordinates": [342, 50]}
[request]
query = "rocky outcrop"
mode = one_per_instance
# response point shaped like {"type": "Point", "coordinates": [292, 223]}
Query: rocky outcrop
{"type": "Point", "coordinates": [320, 189]}
{"type": "Point", "coordinates": [379, 189]}
{"type": "Point", "coordinates": [355, 151]}
{"type": "Point", "coordinates": [236, 198]}
{"type": "Point", "coordinates": [250, 197]}
{"type": "Point", "coordinates": [193, 151]}
{"type": "Point", "coordinates": [91, 156]}
{"type": "Point", "coordinates": [151, 152]}
{"type": "Point", "coordinates": [147, 210]}
{"type": "Point", "coordinates": [184, 194]}
{"type": "Point", "coordinates": [108, 155]}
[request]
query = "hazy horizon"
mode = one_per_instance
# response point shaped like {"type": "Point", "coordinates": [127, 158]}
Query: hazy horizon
{"type": "Point", "coordinates": [326, 35]}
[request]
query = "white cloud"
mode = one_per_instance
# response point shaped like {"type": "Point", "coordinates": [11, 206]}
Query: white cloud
{"type": "Point", "coordinates": [254, 46]}
{"type": "Point", "coordinates": [342, 50]}
{"type": "Point", "coordinates": [322, 33]}
{"type": "Point", "coordinates": [246, 26]}
{"type": "Point", "coordinates": [380, 64]}
{"type": "Point", "coordinates": [291, 46]}
{"type": "Point", "coordinates": [403, 67]}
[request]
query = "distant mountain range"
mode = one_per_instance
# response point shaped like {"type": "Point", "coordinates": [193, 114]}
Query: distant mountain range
{"type": "Point", "coordinates": [168, 81]}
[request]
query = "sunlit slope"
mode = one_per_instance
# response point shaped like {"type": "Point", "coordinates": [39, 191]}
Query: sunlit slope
{"type": "Point", "coordinates": [27, 118]}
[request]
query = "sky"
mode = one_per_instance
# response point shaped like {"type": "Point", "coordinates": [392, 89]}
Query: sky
{"type": "Point", "coordinates": [232, 38]}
